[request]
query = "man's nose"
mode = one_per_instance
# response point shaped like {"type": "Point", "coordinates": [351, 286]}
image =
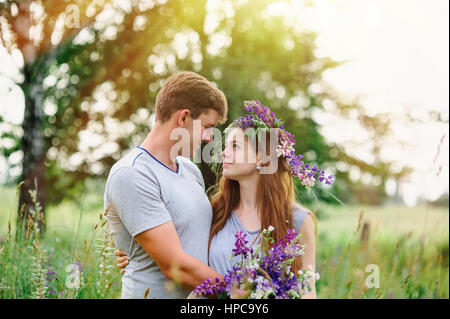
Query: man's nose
{"type": "Point", "coordinates": [207, 136]}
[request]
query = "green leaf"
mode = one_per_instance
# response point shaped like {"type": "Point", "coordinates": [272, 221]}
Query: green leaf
{"type": "Point", "coordinates": [259, 135]}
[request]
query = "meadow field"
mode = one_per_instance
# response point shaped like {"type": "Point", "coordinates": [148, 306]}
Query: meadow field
{"type": "Point", "coordinates": [408, 248]}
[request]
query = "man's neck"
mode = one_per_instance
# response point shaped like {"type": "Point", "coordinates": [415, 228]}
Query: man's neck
{"type": "Point", "coordinates": [158, 144]}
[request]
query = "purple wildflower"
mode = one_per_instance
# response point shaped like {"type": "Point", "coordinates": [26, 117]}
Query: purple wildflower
{"type": "Point", "coordinates": [51, 282]}
{"type": "Point", "coordinates": [240, 245]}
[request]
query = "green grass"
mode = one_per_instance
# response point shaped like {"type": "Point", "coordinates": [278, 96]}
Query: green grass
{"type": "Point", "coordinates": [76, 233]}
{"type": "Point", "coordinates": [408, 245]}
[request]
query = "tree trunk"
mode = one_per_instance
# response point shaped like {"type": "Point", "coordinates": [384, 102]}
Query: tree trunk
{"type": "Point", "coordinates": [365, 234]}
{"type": "Point", "coordinates": [33, 147]}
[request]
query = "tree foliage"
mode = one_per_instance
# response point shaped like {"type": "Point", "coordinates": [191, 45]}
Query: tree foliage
{"type": "Point", "coordinates": [92, 88]}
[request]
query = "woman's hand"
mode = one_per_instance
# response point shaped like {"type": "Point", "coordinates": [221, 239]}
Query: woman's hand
{"type": "Point", "coordinates": [122, 260]}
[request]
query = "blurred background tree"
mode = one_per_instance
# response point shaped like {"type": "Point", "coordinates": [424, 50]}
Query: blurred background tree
{"type": "Point", "coordinates": [92, 69]}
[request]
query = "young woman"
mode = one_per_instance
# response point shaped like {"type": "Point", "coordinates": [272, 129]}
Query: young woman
{"type": "Point", "coordinates": [247, 200]}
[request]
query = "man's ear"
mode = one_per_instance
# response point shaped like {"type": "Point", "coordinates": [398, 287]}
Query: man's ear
{"type": "Point", "coordinates": [183, 117]}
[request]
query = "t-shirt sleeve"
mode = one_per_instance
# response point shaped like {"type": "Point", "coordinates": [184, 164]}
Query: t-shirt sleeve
{"type": "Point", "coordinates": [137, 201]}
{"type": "Point", "coordinates": [299, 215]}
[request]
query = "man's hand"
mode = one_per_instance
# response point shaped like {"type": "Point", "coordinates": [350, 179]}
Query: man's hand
{"type": "Point", "coordinates": [122, 260]}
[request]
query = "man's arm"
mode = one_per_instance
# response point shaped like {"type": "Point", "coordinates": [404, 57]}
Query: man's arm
{"type": "Point", "coordinates": [163, 245]}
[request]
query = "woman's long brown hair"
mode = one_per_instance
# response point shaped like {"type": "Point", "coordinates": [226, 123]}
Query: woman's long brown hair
{"type": "Point", "coordinates": [275, 200]}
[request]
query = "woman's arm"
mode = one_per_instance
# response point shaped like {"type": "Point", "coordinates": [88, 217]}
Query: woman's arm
{"type": "Point", "coordinates": [309, 258]}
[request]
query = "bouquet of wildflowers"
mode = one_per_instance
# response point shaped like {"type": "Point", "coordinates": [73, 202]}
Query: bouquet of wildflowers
{"type": "Point", "coordinates": [264, 275]}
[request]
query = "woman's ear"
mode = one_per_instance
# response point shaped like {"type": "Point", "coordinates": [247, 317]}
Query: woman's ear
{"type": "Point", "coordinates": [263, 159]}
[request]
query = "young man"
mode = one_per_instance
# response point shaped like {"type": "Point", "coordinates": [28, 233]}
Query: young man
{"type": "Point", "coordinates": [159, 214]}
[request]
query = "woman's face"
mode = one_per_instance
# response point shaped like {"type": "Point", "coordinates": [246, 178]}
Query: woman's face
{"type": "Point", "coordinates": [239, 156]}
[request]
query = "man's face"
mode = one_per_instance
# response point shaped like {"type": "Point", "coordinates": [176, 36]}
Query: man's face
{"type": "Point", "coordinates": [201, 129]}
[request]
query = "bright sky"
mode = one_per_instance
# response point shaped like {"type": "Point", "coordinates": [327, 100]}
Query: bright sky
{"type": "Point", "coordinates": [399, 52]}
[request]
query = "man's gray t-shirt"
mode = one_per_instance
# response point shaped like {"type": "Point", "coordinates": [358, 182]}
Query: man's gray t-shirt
{"type": "Point", "coordinates": [144, 193]}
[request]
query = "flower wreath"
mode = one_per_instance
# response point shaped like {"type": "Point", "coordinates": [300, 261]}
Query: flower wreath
{"type": "Point", "coordinates": [263, 118]}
